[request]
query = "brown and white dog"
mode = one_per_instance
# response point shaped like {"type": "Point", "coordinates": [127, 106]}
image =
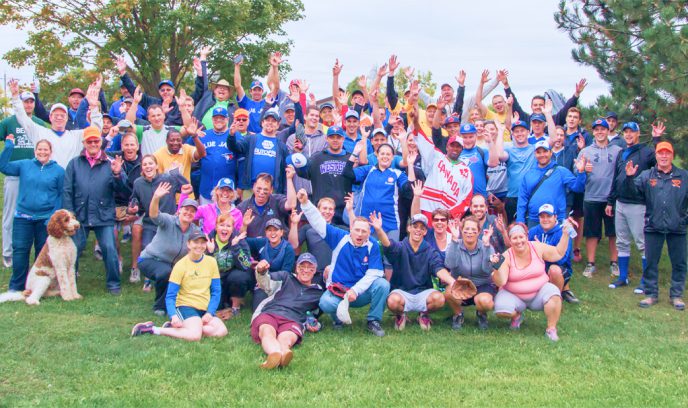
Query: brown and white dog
{"type": "Point", "coordinates": [53, 272]}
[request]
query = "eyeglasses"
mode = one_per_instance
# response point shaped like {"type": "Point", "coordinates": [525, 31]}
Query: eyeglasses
{"type": "Point", "coordinates": [93, 141]}
{"type": "Point", "coordinates": [439, 220]}
{"type": "Point", "coordinates": [241, 120]}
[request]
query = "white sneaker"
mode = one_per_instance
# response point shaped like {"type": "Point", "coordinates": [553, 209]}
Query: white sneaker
{"type": "Point", "coordinates": [589, 270]}
{"type": "Point", "coordinates": [135, 275]}
{"type": "Point", "coordinates": [614, 268]}
{"type": "Point", "coordinates": [7, 261]}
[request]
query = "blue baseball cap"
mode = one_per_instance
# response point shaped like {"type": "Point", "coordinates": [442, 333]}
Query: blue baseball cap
{"type": "Point", "coordinates": [467, 129]}
{"type": "Point", "coordinates": [451, 119]}
{"type": "Point", "coordinates": [220, 111]}
{"type": "Point", "coordinates": [289, 106]}
{"type": "Point", "coordinates": [336, 130]}
{"type": "Point", "coordinates": [271, 113]}
{"type": "Point", "coordinates": [600, 122]}
{"type": "Point", "coordinates": [257, 84]}
{"type": "Point", "coordinates": [225, 182]}
{"type": "Point", "coordinates": [542, 144]}
{"type": "Point", "coordinates": [166, 82]}
{"type": "Point", "coordinates": [326, 105]}
{"type": "Point", "coordinates": [351, 114]}
{"type": "Point", "coordinates": [521, 124]}
{"type": "Point", "coordinates": [631, 125]}
{"type": "Point", "coordinates": [538, 116]}
{"type": "Point", "coordinates": [611, 114]}
{"type": "Point", "coordinates": [307, 257]}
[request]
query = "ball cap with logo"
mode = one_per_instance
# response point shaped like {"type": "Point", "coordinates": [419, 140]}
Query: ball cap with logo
{"type": "Point", "coordinates": [547, 209]}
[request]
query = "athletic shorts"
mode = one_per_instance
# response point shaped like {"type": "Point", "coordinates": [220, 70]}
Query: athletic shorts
{"type": "Point", "coordinates": [486, 288]}
{"type": "Point", "coordinates": [507, 302]}
{"type": "Point", "coordinates": [594, 218]}
{"type": "Point", "coordinates": [577, 204]}
{"type": "Point", "coordinates": [415, 303]}
{"type": "Point", "coordinates": [279, 323]}
{"type": "Point", "coordinates": [139, 220]}
{"type": "Point", "coordinates": [185, 312]}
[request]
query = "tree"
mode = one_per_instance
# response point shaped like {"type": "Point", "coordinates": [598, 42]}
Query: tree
{"type": "Point", "coordinates": [640, 47]}
{"type": "Point", "coordinates": [158, 37]}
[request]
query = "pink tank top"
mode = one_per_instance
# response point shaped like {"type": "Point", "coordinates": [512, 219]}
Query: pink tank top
{"type": "Point", "coordinates": [525, 283]}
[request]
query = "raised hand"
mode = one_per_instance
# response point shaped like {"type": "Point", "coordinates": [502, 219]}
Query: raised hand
{"type": "Point", "coordinates": [417, 185]}
{"type": "Point", "coordinates": [248, 217]}
{"type": "Point", "coordinates": [290, 172]}
{"type": "Point", "coordinates": [276, 59]}
{"type": "Point", "coordinates": [461, 78]}
{"type": "Point", "coordinates": [344, 98]}
{"type": "Point", "coordinates": [393, 64]}
{"type": "Point", "coordinates": [580, 86]}
{"type": "Point", "coordinates": [121, 65]}
{"type": "Point", "coordinates": [302, 196]}
{"type": "Point", "coordinates": [455, 229]}
{"type": "Point", "coordinates": [515, 117]}
{"type": "Point", "coordinates": [14, 87]}
{"type": "Point", "coordinates": [294, 95]}
{"type": "Point", "coordinates": [92, 96]}
{"type": "Point", "coordinates": [192, 127]}
{"type": "Point", "coordinates": [186, 189]}
{"type": "Point", "coordinates": [547, 110]}
{"type": "Point", "coordinates": [510, 100]}
{"type": "Point", "coordinates": [98, 83]}
{"type": "Point", "coordinates": [116, 165]}
{"type": "Point", "coordinates": [485, 76]}
{"type": "Point", "coordinates": [138, 94]}
{"type": "Point", "coordinates": [205, 51]}
{"type": "Point", "coordinates": [580, 142]}
{"type": "Point", "coordinates": [362, 82]}
{"type": "Point", "coordinates": [163, 189]}
{"type": "Point", "coordinates": [375, 220]}
{"type": "Point", "coordinates": [408, 72]}
{"type": "Point", "coordinates": [295, 217]}
{"type": "Point", "coordinates": [238, 238]}
{"type": "Point", "coordinates": [270, 98]}
{"type": "Point", "coordinates": [349, 201]}
{"type": "Point", "coordinates": [209, 245]}
{"type": "Point", "coordinates": [311, 99]}
{"type": "Point", "coordinates": [487, 234]}
{"type": "Point", "coordinates": [337, 69]}
{"type": "Point", "coordinates": [658, 128]}
{"type": "Point", "coordinates": [502, 76]}
{"type": "Point", "coordinates": [631, 169]}
{"type": "Point", "coordinates": [197, 66]}
{"type": "Point", "coordinates": [588, 166]}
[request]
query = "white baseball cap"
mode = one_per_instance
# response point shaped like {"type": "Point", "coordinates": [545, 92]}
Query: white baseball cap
{"type": "Point", "coordinates": [547, 208]}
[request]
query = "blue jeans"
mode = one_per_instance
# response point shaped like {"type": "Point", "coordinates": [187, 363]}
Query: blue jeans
{"type": "Point", "coordinates": [24, 234]}
{"type": "Point", "coordinates": [376, 296]}
{"type": "Point", "coordinates": [159, 272]}
{"type": "Point", "coordinates": [106, 239]}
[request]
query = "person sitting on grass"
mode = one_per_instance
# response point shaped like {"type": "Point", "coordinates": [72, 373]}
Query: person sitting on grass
{"type": "Point", "coordinates": [523, 281]}
{"type": "Point", "coordinates": [277, 324]}
{"type": "Point", "coordinates": [414, 263]}
{"type": "Point", "coordinates": [193, 295]}
{"type": "Point", "coordinates": [468, 256]}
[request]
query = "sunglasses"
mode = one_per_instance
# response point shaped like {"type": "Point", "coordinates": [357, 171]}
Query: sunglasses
{"type": "Point", "coordinates": [93, 141]}
{"type": "Point", "coordinates": [241, 120]}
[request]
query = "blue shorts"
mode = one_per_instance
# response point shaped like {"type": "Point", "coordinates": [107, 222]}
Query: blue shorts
{"type": "Point", "coordinates": [185, 312]}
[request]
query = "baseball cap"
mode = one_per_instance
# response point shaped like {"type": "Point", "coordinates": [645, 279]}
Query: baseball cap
{"type": "Point", "coordinates": [107, 115]}
{"type": "Point", "coordinates": [91, 132]}
{"type": "Point", "coordinates": [196, 234]}
{"type": "Point", "coordinates": [124, 124]}
{"type": "Point", "coordinates": [306, 257]}
{"type": "Point", "coordinates": [26, 95]}
{"type": "Point", "coordinates": [190, 202]}
{"type": "Point", "coordinates": [289, 106]}
{"type": "Point", "coordinates": [76, 90]}
{"type": "Point", "coordinates": [240, 112]}
{"type": "Point", "coordinates": [631, 125]}
{"type": "Point", "coordinates": [257, 84]}
{"type": "Point", "coordinates": [220, 111]}
{"type": "Point", "coordinates": [538, 116]}
{"type": "Point", "coordinates": [378, 130]}
{"type": "Point", "coordinates": [600, 122]}
{"type": "Point", "coordinates": [222, 82]}
{"type": "Point", "coordinates": [294, 82]}
{"type": "Point", "coordinates": [611, 114]}
{"type": "Point", "coordinates": [128, 99]}
{"type": "Point", "coordinates": [542, 144]}
{"type": "Point", "coordinates": [455, 139]}
{"type": "Point", "coordinates": [467, 128]}
{"type": "Point", "coordinates": [358, 91]}
{"type": "Point", "coordinates": [446, 84]}
{"type": "Point", "coordinates": [326, 105]}
{"type": "Point", "coordinates": [351, 114]}
{"type": "Point", "coordinates": [521, 124]}
{"type": "Point", "coordinates": [335, 130]}
{"type": "Point", "coordinates": [58, 106]}
{"type": "Point", "coordinates": [431, 104]}
{"type": "Point", "coordinates": [420, 218]}
{"type": "Point", "coordinates": [546, 208]}
{"type": "Point", "coordinates": [451, 119]}
{"type": "Point", "coordinates": [271, 113]}
{"type": "Point", "coordinates": [166, 82]}
{"type": "Point", "coordinates": [664, 146]}
{"type": "Point", "coordinates": [225, 182]}
{"type": "Point", "coordinates": [275, 223]}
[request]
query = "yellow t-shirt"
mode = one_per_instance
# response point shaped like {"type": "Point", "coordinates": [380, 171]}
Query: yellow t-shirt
{"type": "Point", "coordinates": [194, 280]}
{"type": "Point", "coordinates": [501, 117]}
{"type": "Point", "coordinates": [181, 160]}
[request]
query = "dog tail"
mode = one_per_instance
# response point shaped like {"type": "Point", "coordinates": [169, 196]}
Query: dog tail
{"type": "Point", "coordinates": [12, 296]}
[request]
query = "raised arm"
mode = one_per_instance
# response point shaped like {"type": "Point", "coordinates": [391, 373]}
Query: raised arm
{"type": "Point", "coordinates": [555, 253]}
{"type": "Point", "coordinates": [273, 73]}
{"type": "Point", "coordinates": [479, 92]}
{"type": "Point", "coordinates": [460, 93]}
{"type": "Point", "coordinates": [312, 214]}
{"type": "Point", "coordinates": [293, 237]}
{"type": "Point", "coordinates": [336, 70]}
{"type": "Point", "coordinates": [237, 81]}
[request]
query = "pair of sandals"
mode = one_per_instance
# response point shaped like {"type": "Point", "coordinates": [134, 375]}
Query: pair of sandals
{"type": "Point", "coordinates": [677, 303]}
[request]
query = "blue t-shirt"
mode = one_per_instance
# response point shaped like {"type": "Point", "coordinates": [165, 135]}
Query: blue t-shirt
{"type": "Point", "coordinates": [254, 108]}
{"type": "Point", "coordinates": [521, 159]}
{"type": "Point", "coordinates": [478, 165]}
{"type": "Point", "coordinates": [264, 155]}
{"type": "Point", "coordinates": [380, 192]}
{"type": "Point", "coordinates": [532, 140]}
{"type": "Point", "coordinates": [218, 163]}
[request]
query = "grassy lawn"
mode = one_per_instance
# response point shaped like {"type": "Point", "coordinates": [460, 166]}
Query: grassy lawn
{"type": "Point", "coordinates": [611, 353]}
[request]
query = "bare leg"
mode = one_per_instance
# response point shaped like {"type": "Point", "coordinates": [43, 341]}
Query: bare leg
{"type": "Point", "coordinates": [435, 301]}
{"type": "Point", "coordinates": [191, 330]}
{"type": "Point", "coordinates": [613, 253]}
{"type": "Point", "coordinates": [271, 347]}
{"type": "Point", "coordinates": [237, 302]}
{"type": "Point", "coordinates": [553, 311]}
{"type": "Point", "coordinates": [591, 248]}
{"type": "Point", "coordinates": [453, 304]}
{"type": "Point", "coordinates": [484, 302]}
{"type": "Point", "coordinates": [214, 328]}
{"type": "Point", "coordinates": [556, 277]}
{"type": "Point", "coordinates": [286, 340]}
{"type": "Point", "coordinates": [136, 237]}
{"type": "Point", "coordinates": [395, 303]}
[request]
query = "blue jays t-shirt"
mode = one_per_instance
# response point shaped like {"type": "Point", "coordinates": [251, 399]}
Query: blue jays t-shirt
{"type": "Point", "coordinates": [521, 159]}
{"type": "Point", "coordinates": [264, 155]}
{"type": "Point", "coordinates": [254, 108]}
{"type": "Point", "coordinates": [218, 163]}
{"type": "Point", "coordinates": [477, 162]}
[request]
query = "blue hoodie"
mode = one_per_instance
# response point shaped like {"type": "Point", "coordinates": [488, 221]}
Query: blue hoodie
{"type": "Point", "coordinates": [40, 185]}
{"type": "Point", "coordinates": [551, 237]}
{"type": "Point", "coordinates": [552, 191]}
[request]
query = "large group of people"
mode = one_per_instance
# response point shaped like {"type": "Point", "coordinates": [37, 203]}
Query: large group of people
{"type": "Point", "coordinates": [374, 199]}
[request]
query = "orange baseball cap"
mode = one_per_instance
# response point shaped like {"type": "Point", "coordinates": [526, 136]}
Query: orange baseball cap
{"type": "Point", "coordinates": [240, 112]}
{"type": "Point", "coordinates": [91, 132]}
{"type": "Point", "coordinates": [664, 146]}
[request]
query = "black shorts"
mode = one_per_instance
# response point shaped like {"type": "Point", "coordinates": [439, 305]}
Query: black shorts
{"type": "Point", "coordinates": [486, 288]}
{"type": "Point", "coordinates": [566, 271]}
{"type": "Point", "coordinates": [577, 204]}
{"type": "Point", "coordinates": [594, 217]}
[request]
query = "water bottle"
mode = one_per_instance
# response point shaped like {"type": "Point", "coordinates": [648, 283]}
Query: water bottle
{"type": "Point", "coordinates": [312, 324]}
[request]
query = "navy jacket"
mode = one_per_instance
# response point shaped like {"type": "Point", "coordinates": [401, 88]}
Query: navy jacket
{"type": "Point", "coordinates": [665, 196]}
{"type": "Point", "coordinates": [644, 157]}
{"type": "Point", "coordinates": [173, 117]}
{"type": "Point", "coordinates": [413, 271]}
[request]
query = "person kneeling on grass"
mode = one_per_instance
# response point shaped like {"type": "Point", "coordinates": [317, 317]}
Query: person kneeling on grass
{"type": "Point", "coordinates": [414, 263]}
{"type": "Point", "coordinates": [469, 257]}
{"type": "Point", "coordinates": [357, 273]}
{"type": "Point", "coordinates": [193, 295]}
{"type": "Point", "coordinates": [277, 324]}
{"type": "Point", "coordinates": [523, 281]}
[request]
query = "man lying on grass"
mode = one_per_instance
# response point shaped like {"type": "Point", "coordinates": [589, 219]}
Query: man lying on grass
{"type": "Point", "coordinates": [277, 324]}
{"type": "Point", "coordinates": [192, 297]}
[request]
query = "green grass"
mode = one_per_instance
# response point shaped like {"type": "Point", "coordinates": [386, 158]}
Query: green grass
{"type": "Point", "coordinates": [611, 353]}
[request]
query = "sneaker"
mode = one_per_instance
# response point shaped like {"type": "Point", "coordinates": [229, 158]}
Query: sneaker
{"type": "Point", "coordinates": [678, 303]}
{"type": "Point", "coordinates": [98, 253]}
{"type": "Point", "coordinates": [135, 275]}
{"type": "Point", "coordinates": [569, 297]}
{"type": "Point", "coordinates": [400, 321]}
{"type": "Point", "coordinates": [482, 320]}
{"type": "Point", "coordinates": [457, 321]}
{"type": "Point", "coordinates": [375, 328]}
{"type": "Point", "coordinates": [142, 328]}
{"type": "Point", "coordinates": [614, 268]}
{"type": "Point", "coordinates": [167, 325]}
{"type": "Point", "coordinates": [639, 290]}
{"type": "Point", "coordinates": [337, 325]}
{"type": "Point", "coordinates": [589, 270]}
{"type": "Point", "coordinates": [647, 302]}
{"type": "Point", "coordinates": [159, 312]}
{"type": "Point", "coordinates": [147, 285]}
{"type": "Point", "coordinates": [120, 266]}
{"type": "Point", "coordinates": [552, 334]}
{"type": "Point", "coordinates": [516, 321]}
{"type": "Point", "coordinates": [115, 291]}
{"type": "Point", "coordinates": [424, 321]}
{"type": "Point", "coordinates": [618, 283]}
{"type": "Point", "coordinates": [577, 257]}
{"type": "Point", "coordinates": [7, 261]}
{"type": "Point", "coordinates": [126, 237]}
{"type": "Point", "coordinates": [236, 312]}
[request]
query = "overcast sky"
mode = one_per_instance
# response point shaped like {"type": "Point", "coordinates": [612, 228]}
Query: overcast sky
{"type": "Point", "coordinates": [441, 36]}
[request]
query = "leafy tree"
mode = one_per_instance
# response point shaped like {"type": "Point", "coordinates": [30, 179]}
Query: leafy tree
{"type": "Point", "coordinates": [159, 38]}
{"type": "Point", "coordinates": [640, 47]}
